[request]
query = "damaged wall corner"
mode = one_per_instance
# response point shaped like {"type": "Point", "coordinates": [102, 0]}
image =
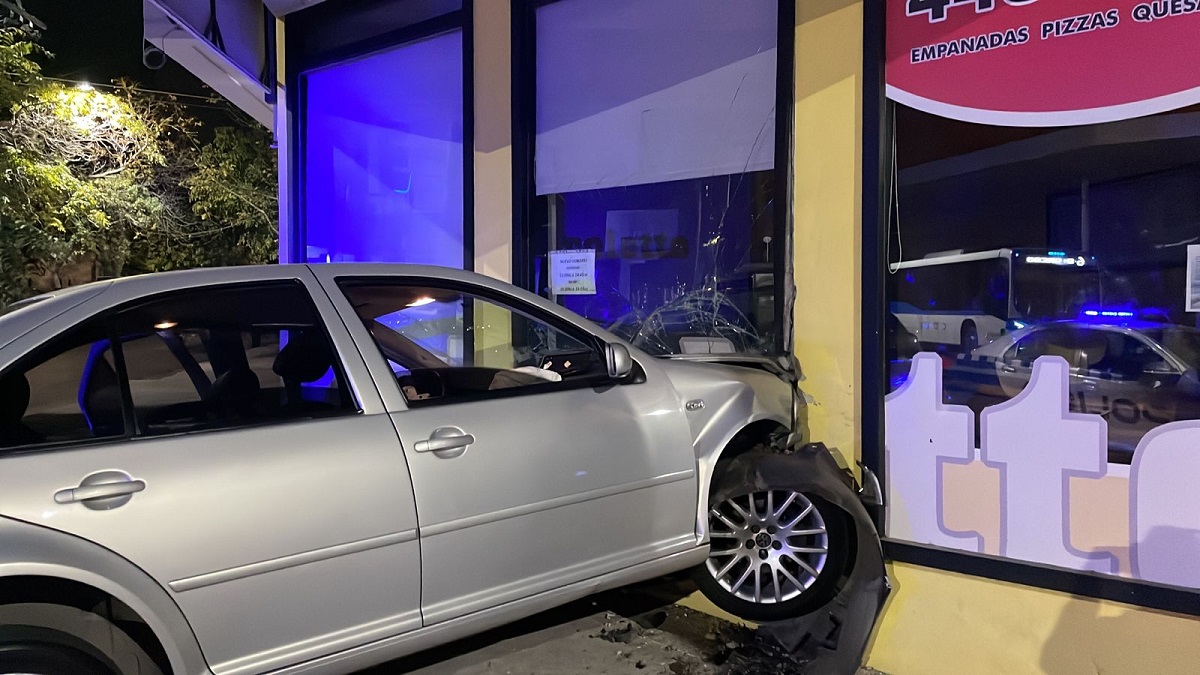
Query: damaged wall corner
{"type": "Point", "coordinates": [827, 192]}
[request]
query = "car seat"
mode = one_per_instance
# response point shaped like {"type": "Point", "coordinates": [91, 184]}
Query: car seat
{"type": "Point", "coordinates": [14, 401]}
{"type": "Point", "coordinates": [305, 358]}
{"type": "Point", "coordinates": [234, 395]}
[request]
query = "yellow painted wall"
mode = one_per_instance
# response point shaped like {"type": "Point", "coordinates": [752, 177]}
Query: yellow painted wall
{"type": "Point", "coordinates": [493, 139]}
{"type": "Point", "coordinates": [828, 195]}
{"type": "Point", "coordinates": [493, 174]}
{"type": "Point", "coordinates": [942, 623]}
{"type": "Point", "coordinates": [936, 622]}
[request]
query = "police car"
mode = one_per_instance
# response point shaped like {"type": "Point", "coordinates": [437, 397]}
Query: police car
{"type": "Point", "coordinates": [1136, 374]}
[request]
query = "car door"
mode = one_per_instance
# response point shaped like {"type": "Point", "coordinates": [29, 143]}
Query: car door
{"type": "Point", "coordinates": [228, 441]}
{"type": "Point", "coordinates": [1015, 367]}
{"type": "Point", "coordinates": [532, 469]}
{"type": "Point", "coordinates": [1117, 384]}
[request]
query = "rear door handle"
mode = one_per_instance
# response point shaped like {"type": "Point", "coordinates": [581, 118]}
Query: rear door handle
{"type": "Point", "coordinates": [446, 442]}
{"type": "Point", "coordinates": [102, 491]}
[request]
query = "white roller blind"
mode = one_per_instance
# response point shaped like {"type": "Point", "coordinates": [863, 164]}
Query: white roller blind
{"type": "Point", "coordinates": [646, 91]}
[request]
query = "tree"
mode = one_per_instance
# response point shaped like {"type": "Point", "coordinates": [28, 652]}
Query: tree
{"type": "Point", "coordinates": [101, 184]}
{"type": "Point", "coordinates": [233, 194]}
{"type": "Point", "coordinates": [73, 186]}
{"type": "Point", "coordinates": [20, 70]}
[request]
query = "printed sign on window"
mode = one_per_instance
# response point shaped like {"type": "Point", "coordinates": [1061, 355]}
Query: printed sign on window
{"type": "Point", "coordinates": [1043, 62]}
{"type": "Point", "coordinates": [573, 272]}
{"type": "Point", "coordinates": [1193, 278]}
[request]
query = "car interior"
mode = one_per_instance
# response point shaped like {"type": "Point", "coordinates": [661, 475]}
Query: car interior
{"type": "Point", "coordinates": [425, 377]}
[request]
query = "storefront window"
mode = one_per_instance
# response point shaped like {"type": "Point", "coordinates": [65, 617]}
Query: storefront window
{"type": "Point", "coordinates": [1045, 401]}
{"type": "Point", "coordinates": [383, 145]}
{"type": "Point", "coordinates": [655, 156]}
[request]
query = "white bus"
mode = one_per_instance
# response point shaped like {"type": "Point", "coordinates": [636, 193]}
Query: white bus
{"type": "Point", "coordinates": [968, 299]}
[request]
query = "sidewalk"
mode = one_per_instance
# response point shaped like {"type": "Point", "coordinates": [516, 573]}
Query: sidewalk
{"type": "Point", "coordinates": [643, 629]}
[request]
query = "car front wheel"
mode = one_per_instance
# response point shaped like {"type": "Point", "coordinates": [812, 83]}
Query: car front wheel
{"type": "Point", "coordinates": [775, 553]}
{"type": "Point", "coordinates": [38, 651]}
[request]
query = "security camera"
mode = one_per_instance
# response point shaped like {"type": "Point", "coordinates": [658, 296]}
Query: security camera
{"type": "Point", "coordinates": [153, 57]}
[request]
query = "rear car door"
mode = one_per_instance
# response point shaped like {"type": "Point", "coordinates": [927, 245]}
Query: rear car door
{"type": "Point", "coordinates": [1118, 386]}
{"type": "Point", "coordinates": [228, 441]}
{"type": "Point", "coordinates": [532, 469]}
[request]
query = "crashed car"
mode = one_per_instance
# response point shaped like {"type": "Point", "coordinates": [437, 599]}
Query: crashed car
{"type": "Point", "coordinates": [1136, 374]}
{"type": "Point", "coordinates": [319, 468]}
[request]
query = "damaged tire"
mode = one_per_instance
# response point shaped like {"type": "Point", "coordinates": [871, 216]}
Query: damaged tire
{"type": "Point", "coordinates": [775, 554]}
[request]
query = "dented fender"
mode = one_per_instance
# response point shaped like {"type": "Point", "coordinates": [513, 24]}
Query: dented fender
{"type": "Point", "coordinates": [720, 401]}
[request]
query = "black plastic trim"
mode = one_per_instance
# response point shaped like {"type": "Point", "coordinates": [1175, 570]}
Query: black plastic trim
{"type": "Point", "coordinates": [875, 193]}
{"type": "Point", "coordinates": [785, 97]}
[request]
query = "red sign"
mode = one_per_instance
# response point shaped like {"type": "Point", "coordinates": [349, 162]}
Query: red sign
{"type": "Point", "coordinates": [1043, 62]}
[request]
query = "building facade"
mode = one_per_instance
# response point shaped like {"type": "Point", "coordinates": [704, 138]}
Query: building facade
{"type": "Point", "coordinates": [975, 224]}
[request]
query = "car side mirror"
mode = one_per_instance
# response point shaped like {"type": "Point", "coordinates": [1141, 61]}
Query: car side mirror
{"type": "Point", "coordinates": [620, 362]}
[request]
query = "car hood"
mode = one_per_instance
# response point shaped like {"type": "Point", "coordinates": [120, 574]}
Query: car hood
{"type": "Point", "coordinates": [784, 367]}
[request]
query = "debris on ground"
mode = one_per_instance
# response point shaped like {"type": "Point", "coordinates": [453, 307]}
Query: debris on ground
{"type": "Point", "coordinates": [635, 631]}
{"type": "Point", "coordinates": [694, 643]}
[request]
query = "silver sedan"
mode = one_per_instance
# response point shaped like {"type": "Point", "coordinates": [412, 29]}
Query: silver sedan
{"type": "Point", "coordinates": [318, 468]}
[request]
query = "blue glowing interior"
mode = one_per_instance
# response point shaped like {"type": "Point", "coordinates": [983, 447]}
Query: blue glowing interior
{"type": "Point", "coordinates": [383, 152]}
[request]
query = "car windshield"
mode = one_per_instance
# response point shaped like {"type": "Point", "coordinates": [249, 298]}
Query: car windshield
{"type": "Point", "coordinates": [1181, 341]}
{"type": "Point", "coordinates": [701, 322]}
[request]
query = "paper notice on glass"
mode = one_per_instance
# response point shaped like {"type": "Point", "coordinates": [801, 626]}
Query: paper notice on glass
{"type": "Point", "coordinates": [1193, 278]}
{"type": "Point", "coordinates": [573, 272]}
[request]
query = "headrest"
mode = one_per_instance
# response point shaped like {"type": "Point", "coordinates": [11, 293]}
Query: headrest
{"type": "Point", "coordinates": [235, 392]}
{"type": "Point", "coordinates": [14, 398]}
{"type": "Point", "coordinates": [305, 358]}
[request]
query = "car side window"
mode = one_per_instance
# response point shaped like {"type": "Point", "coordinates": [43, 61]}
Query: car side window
{"type": "Point", "coordinates": [448, 345]}
{"type": "Point", "coordinates": [68, 392]}
{"type": "Point", "coordinates": [1125, 358]}
{"type": "Point", "coordinates": [211, 358]}
{"type": "Point", "coordinates": [1026, 350]}
{"type": "Point", "coordinates": [229, 356]}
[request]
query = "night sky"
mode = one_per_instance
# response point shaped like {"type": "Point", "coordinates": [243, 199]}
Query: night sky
{"type": "Point", "coordinates": [100, 40]}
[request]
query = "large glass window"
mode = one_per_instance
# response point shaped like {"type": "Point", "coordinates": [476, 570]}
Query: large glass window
{"type": "Point", "coordinates": [383, 156]}
{"type": "Point", "coordinates": [655, 151]}
{"type": "Point", "coordinates": [1045, 401]}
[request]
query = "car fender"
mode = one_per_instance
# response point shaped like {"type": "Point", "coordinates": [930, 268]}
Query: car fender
{"type": "Point", "coordinates": [720, 402]}
{"type": "Point", "coordinates": [31, 550]}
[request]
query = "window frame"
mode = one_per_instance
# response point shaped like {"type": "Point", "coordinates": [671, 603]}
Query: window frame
{"type": "Point", "coordinates": [132, 431]}
{"type": "Point", "coordinates": [878, 184]}
{"type": "Point", "coordinates": [599, 380]}
{"type": "Point", "coordinates": [300, 60]}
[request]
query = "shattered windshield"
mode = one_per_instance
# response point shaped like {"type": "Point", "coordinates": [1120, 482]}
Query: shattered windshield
{"type": "Point", "coordinates": [684, 267]}
{"type": "Point", "coordinates": [701, 322]}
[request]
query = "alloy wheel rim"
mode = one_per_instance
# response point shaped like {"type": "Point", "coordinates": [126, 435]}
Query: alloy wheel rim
{"type": "Point", "coordinates": [767, 547]}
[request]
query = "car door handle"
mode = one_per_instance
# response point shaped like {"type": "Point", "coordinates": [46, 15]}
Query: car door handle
{"type": "Point", "coordinates": [102, 490]}
{"type": "Point", "coordinates": [447, 442]}
{"type": "Point", "coordinates": [1008, 369]}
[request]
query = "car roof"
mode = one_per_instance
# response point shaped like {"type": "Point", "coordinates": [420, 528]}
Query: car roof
{"type": "Point", "coordinates": [51, 305]}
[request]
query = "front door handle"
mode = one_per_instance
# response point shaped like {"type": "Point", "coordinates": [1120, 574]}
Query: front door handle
{"type": "Point", "coordinates": [102, 491]}
{"type": "Point", "coordinates": [446, 442]}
